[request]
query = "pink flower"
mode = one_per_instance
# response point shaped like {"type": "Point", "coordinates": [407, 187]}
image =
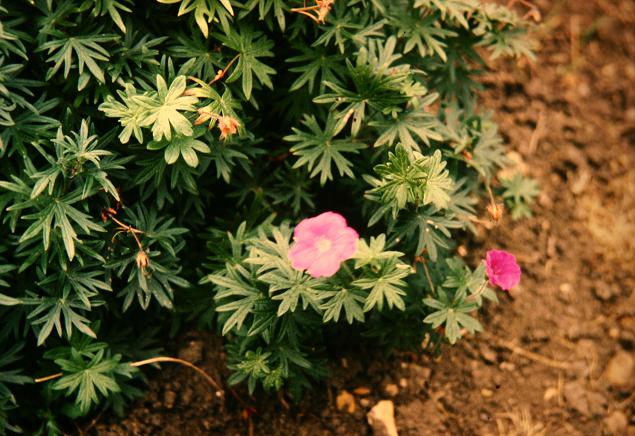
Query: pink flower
{"type": "Point", "coordinates": [321, 243]}
{"type": "Point", "coordinates": [502, 269]}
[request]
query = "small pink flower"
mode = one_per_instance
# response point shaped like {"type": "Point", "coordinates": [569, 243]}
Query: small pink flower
{"type": "Point", "coordinates": [502, 269]}
{"type": "Point", "coordinates": [321, 243]}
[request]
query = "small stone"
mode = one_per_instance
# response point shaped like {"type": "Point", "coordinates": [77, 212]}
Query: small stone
{"type": "Point", "coordinates": [391, 390]}
{"type": "Point", "coordinates": [418, 375]}
{"type": "Point", "coordinates": [507, 366]}
{"type": "Point", "coordinates": [550, 393]}
{"type": "Point", "coordinates": [566, 288]}
{"type": "Point", "coordinates": [585, 402]}
{"type": "Point", "coordinates": [604, 291]}
{"type": "Point", "coordinates": [488, 354]}
{"type": "Point", "coordinates": [361, 391]}
{"type": "Point", "coordinates": [186, 396]}
{"type": "Point", "coordinates": [192, 352]}
{"type": "Point", "coordinates": [619, 370]}
{"type": "Point", "coordinates": [403, 383]}
{"type": "Point", "coordinates": [169, 398]}
{"type": "Point", "coordinates": [381, 418]}
{"type": "Point", "coordinates": [614, 333]}
{"type": "Point", "coordinates": [487, 393]}
{"type": "Point", "coordinates": [364, 402]}
{"type": "Point", "coordinates": [345, 401]}
{"type": "Point", "coordinates": [616, 423]}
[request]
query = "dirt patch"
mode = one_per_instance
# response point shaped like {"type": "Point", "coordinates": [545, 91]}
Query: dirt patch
{"type": "Point", "coordinates": [558, 355]}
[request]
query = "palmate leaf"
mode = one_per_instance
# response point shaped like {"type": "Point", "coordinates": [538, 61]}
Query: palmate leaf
{"type": "Point", "coordinates": [87, 378]}
{"type": "Point", "coordinates": [183, 146]}
{"type": "Point", "coordinates": [350, 300]}
{"type": "Point", "coordinates": [453, 315]}
{"type": "Point", "coordinates": [55, 213]}
{"type": "Point", "coordinates": [250, 46]}
{"type": "Point", "coordinates": [253, 366]}
{"type": "Point", "coordinates": [319, 151]}
{"type": "Point", "coordinates": [519, 193]}
{"type": "Point", "coordinates": [341, 28]}
{"type": "Point", "coordinates": [373, 253]}
{"type": "Point", "coordinates": [386, 286]}
{"type": "Point", "coordinates": [132, 113]}
{"type": "Point", "coordinates": [50, 311]}
{"type": "Point", "coordinates": [421, 32]}
{"type": "Point", "coordinates": [278, 7]}
{"type": "Point", "coordinates": [410, 178]}
{"type": "Point", "coordinates": [314, 62]}
{"type": "Point", "coordinates": [164, 110]}
{"type": "Point", "coordinates": [76, 157]}
{"type": "Point", "coordinates": [154, 281]}
{"type": "Point", "coordinates": [429, 229]}
{"type": "Point", "coordinates": [205, 12]}
{"type": "Point", "coordinates": [86, 49]}
{"type": "Point", "coordinates": [455, 10]}
{"type": "Point", "coordinates": [376, 85]}
{"type": "Point", "coordinates": [243, 296]}
{"type": "Point", "coordinates": [110, 7]}
{"type": "Point", "coordinates": [417, 122]}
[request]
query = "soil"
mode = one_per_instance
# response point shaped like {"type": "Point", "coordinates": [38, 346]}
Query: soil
{"type": "Point", "coordinates": [557, 357]}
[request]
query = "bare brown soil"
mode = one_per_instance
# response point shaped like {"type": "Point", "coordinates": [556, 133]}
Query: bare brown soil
{"type": "Point", "coordinates": [557, 358]}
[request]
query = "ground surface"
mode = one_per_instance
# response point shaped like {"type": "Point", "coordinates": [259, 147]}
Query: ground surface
{"type": "Point", "coordinates": [557, 358]}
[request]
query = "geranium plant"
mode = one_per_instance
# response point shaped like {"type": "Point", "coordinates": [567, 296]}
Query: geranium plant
{"type": "Point", "coordinates": [279, 170]}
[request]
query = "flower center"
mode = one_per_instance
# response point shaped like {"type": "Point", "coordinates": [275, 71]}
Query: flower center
{"type": "Point", "coordinates": [323, 245]}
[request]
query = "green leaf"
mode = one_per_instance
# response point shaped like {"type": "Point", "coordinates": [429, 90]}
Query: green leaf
{"type": "Point", "coordinates": [88, 378]}
{"type": "Point", "coordinates": [319, 151]}
{"type": "Point", "coordinates": [164, 112]}
{"type": "Point", "coordinates": [348, 299]}
{"type": "Point", "coordinates": [250, 46]}
{"type": "Point", "coordinates": [87, 50]}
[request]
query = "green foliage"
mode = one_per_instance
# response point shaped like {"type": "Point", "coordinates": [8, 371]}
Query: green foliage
{"type": "Point", "coordinates": [136, 137]}
{"type": "Point", "coordinates": [519, 193]}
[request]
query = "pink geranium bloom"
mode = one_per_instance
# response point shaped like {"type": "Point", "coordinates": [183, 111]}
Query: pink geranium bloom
{"type": "Point", "coordinates": [322, 243]}
{"type": "Point", "coordinates": [502, 269]}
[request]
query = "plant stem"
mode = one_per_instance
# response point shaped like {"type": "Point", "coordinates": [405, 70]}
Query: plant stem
{"type": "Point", "coordinates": [478, 293]}
{"type": "Point", "coordinates": [157, 359]}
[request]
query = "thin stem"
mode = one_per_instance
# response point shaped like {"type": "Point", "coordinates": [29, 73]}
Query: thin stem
{"type": "Point", "coordinates": [428, 277]}
{"type": "Point", "coordinates": [158, 359]}
{"type": "Point", "coordinates": [48, 377]}
{"type": "Point", "coordinates": [130, 230]}
{"type": "Point", "coordinates": [473, 297]}
{"type": "Point", "coordinates": [222, 72]}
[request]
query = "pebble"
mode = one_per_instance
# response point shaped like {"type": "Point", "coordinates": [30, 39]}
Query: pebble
{"type": "Point", "coordinates": [488, 354]}
{"type": "Point", "coordinates": [192, 352]}
{"type": "Point", "coordinates": [487, 393]}
{"type": "Point", "coordinates": [616, 423]}
{"type": "Point", "coordinates": [605, 292]}
{"type": "Point", "coordinates": [391, 390]}
{"type": "Point", "coordinates": [186, 396]}
{"type": "Point", "coordinates": [381, 419]}
{"type": "Point", "coordinates": [362, 390]}
{"type": "Point", "coordinates": [169, 398]}
{"type": "Point", "coordinates": [345, 401]}
{"type": "Point", "coordinates": [619, 370]}
{"type": "Point", "coordinates": [585, 402]}
{"type": "Point", "coordinates": [507, 366]}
